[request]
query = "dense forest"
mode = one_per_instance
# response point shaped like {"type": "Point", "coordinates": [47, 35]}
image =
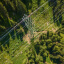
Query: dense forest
{"type": "Point", "coordinates": [49, 45]}
{"type": "Point", "coordinates": [12, 10]}
{"type": "Point", "coordinates": [48, 48]}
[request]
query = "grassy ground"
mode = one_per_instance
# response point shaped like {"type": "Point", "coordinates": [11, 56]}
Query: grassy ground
{"type": "Point", "coordinates": [21, 55]}
{"type": "Point", "coordinates": [15, 53]}
{"type": "Point", "coordinates": [15, 56]}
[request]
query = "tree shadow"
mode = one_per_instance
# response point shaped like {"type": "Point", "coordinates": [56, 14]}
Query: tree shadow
{"type": "Point", "coordinates": [4, 25]}
{"type": "Point", "coordinates": [57, 11]}
{"type": "Point", "coordinates": [57, 61]}
{"type": "Point", "coordinates": [19, 32]}
{"type": "Point", "coordinates": [24, 27]}
{"type": "Point", "coordinates": [4, 42]}
{"type": "Point", "coordinates": [27, 2]}
{"type": "Point", "coordinates": [12, 34]}
{"type": "Point", "coordinates": [19, 35]}
{"type": "Point", "coordinates": [44, 59]}
{"type": "Point", "coordinates": [38, 2]}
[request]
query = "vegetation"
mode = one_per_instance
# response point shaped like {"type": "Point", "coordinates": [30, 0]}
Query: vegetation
{"type": "Point", "coordinates": [10, 12]}
{"type": "Point", "coordinates": [47, 48]}
{"type": "Point", "coordinates": [49, 45]}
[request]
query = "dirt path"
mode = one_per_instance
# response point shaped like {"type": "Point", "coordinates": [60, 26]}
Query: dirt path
{"type": "Point", "coordinates": [27, 38]}
{"type": "Point", "coordinates": [53, 30]}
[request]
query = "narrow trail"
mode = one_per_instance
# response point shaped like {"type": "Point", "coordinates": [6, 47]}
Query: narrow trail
{"type": "Point", "coordinates": [27, 38]}
{"type": "Point", "coordinates": [53, 30]}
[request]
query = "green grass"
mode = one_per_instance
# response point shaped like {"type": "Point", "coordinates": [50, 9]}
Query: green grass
{"type": "Point", "coordinates": [8, 56]}
{"type": "Point", "coordinates": [21, 58]}
{"type": "Point", "coordinates": [5, 58]}
{"type": "Point", "coordinates": [48, 60]}
{"type": "Point", "coordinates": [41, 20]}
{"type": "Point", "coordinates": [16, 57]}
{"type": "Point", "coordinates": [62, 36]}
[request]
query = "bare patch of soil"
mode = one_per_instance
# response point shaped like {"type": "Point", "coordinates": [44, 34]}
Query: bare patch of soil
{"type": "Point", "coordinates": [27, 38]}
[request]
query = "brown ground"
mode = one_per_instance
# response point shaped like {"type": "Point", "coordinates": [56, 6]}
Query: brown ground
{"type": "Point", "coordinates": [27, 38]}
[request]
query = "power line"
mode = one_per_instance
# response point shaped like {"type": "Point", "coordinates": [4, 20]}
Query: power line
{"type": "Point", "coordinates": [3, 44]}
{"type": "Point", "coordinates": [50, 20]}
{"type": "Point", "coordinates": [38, 34]}
{"type": "Point", "coordinates": [48, 27]}
{"type": "Point", "coordinates": [11, 27]}
{"type": "Point", "coordinates": [14, 50]}
{"type": "Point", "coordinates": [9, 38]}
{"type": "Point", "coordinates": [27, 45]}
{"type": "Point", "coordinates": [44, 11]}
{"type": "Point", "coordinates": [23, 20]}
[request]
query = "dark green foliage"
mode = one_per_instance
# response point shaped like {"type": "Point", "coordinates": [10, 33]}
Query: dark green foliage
{"type": "Point", "coordinates": [10, 12]}
{"type": "Point", "coordinates": [61, 30]}
{"type": "Point", "coordinates": [57, 8]}
{"type": "Point", "coordinates": [50, 46]}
